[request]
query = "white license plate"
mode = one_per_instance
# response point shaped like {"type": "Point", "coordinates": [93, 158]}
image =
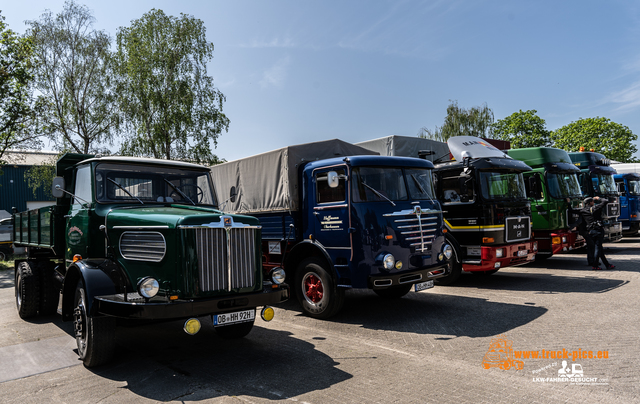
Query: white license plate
{"type": "Point", "coordinates": [522, 253]}
{"type": "Point", "coordinates": [232, 318]}
{"type": "Point", "coordinates": [424, 285]}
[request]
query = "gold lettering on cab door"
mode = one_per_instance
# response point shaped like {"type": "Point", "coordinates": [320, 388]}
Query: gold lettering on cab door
{"type": "Point", "coordinates": [331, 223]}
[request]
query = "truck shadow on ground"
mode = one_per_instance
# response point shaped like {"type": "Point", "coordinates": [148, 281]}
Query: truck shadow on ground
{"type": "Point", "coordinates": [161, 362]}
{"type": "Point", "coordinates": [431, 313]}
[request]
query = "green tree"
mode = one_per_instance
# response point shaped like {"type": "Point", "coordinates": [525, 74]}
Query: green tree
{"type": "Point", "coordinates": [16, 75]}
{"type": "Point", "coordinates": [74, 76]}
{"type": "Point", "coordinates": [522, 129]}
{"type": "Point", "coordinates": [166, 96]}
{"type": "Point", "coordinates": [612, 139]}
{"type": "Point", "coordinates": [459, 121]}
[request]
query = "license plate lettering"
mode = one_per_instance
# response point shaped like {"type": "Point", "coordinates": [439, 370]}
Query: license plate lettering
{"type": "Point", "coordinates": [423, 285]}
{"type": "Point", "coordinates": [232, 318]}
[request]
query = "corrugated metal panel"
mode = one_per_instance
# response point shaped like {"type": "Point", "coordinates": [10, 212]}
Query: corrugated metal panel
{"type": "Point", "coordinates": [14, 190]}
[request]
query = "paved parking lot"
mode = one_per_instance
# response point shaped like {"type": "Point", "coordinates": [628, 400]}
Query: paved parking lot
{"type": "Point", "coordinates": [426, 347]}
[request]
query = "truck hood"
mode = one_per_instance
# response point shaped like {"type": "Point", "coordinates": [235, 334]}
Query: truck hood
{"type": "Point", "coordinates": [169, 217]}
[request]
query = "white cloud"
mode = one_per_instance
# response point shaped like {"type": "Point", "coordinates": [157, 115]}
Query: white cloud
{"type": "Point", "coordinates": [286, 42]}
{"type": "Point", "coordinates": [628, 98]}
{"type": "Point", "coordinates": [276, 74]}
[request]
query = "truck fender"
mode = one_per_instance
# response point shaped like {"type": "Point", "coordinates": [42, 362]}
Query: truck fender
{"type": "Point", "coordinates": [455, 245]}
{"type": "Point", "coordinates": [305, 249]}
{"type": "Point", "coordinates": [96, 283]}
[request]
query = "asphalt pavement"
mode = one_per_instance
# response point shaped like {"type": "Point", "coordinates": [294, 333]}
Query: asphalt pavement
{"type": "Point", "coordinates": [457, 344]}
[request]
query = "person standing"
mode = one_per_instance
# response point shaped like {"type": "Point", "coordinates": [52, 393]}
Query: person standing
{"type": "Point", "coordinates": [591, 214]}
{"type": "Point", "coordinates": [581, 225]}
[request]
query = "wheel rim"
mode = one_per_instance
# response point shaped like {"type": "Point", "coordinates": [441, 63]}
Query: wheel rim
{"type": "Point", "coordinates": [18, 287]}
{"type": "Point", "coordinates": [79, 324]}
{"type": "Point", "coordinates": [313, 288]}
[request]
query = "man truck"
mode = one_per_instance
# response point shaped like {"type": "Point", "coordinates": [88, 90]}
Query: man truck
{"type": "Point", "coordinates": [552, 180]}
{"type": "Point", "coordinates": [337, 216]}
{"type": "Point", "coordinates": [628, 182]}
{"type": "Point", "coordinates": [139, 239]}
{"type": "Point", "coordinates": [482, 192]}
{"type": "Point", "coordinates": [596, 179]}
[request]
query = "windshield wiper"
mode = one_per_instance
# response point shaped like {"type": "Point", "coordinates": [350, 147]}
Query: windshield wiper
{"type": "Point", "coordinates": [128, 193]}
{"type": "Point", "coordinates": [180, 192]}
{"type": "Point", "coordinates": [378, 193]}
{"type": "Point", "coordinates": [422, 190]}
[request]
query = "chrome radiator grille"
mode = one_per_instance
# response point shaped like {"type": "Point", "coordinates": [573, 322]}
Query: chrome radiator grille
{"type": "Point", "coordinates": [417, 227]}
{"type": "Point", "coordinates": [226, 257]}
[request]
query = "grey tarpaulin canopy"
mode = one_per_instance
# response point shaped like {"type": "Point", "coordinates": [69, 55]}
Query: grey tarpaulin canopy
{"type": "Point", "coordinates": [405, 146]}
{"type": "Point", "coordinates": [268, 182]}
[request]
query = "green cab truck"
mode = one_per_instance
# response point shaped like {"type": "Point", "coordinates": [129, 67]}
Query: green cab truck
{"type": "Point", "coordinates": [141, 239]}
{"type": "Point", "coordinates": [552, 180]}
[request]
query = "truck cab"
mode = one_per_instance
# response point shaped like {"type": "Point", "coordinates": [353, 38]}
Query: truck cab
{"type": "Point", "coordinates": [551, 181]}
{"type": "Point", "coordinates": [628, 183]}
{"type": "Point", "coordinates": [486, 206]}
{"type": "Point", "coordinates": [596, 179]}
{"type": "Point", "coordinates": [357, 221]}
{"type": "Point", "coordinates": [139, 239]}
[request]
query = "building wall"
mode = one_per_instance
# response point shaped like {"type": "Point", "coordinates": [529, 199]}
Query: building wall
{"type": "Point", "coordinates": [14, 190]}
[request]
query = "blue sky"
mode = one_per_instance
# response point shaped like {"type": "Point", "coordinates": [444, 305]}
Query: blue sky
{"type": "Point", "coordinates": [300, 71]}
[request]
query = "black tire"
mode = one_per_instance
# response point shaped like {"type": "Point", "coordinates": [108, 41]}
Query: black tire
{"type": "Point", "coordinates": [95, 336]}
{"type": "Point", "coordinates": [394, 292]}
{"type": "Point", "coordinates": [234, 331]}
{"type": "Point", "coordinates": [316, 290]}
{"type": "Point", "coordinates": [454, 269]}
{"type": "Point", "coordinates": [49, 293]}
{"type": "Point", "coordinates": [3, 256]}
{"type": "Point", "coordinates": [485, 273]}
{"type": "Point", "coordinates": [27, 288]}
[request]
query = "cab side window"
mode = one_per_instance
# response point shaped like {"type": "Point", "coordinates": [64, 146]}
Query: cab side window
{"type": "Point", "coordinates": [83, 185]}
{"type": "Point", "coordinates": [457, 189]}
{"type": "Point", "coordinates": [533, 185]}
{"type": "Point", "coordinates": [326, 194]}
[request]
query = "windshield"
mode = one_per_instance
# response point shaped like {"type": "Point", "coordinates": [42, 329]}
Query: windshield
{"type": "Point", "coordinates": [634, 187]}
{"type": "Point", "coordinates": [563, 185]}
{"type": "Point", "coordinates": [502, 185]}
{"type": "Point", "coordinates": [420, 183]}
{"type": "Point", "coordinates": [373, 184]}
{"type": "Point", "coordinates": [604, 184]}
{"type": "Point", "coordinates": [152, 184]}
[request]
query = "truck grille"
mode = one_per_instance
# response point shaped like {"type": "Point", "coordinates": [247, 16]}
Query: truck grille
{"type": "Point", "coordinates": [226, 257]}
{"type": "Point", "coordinates": [416, 227]}
{"type": "Point", "coordinates": [143, 246]}
{"type": "Point", "coordinates": [613, 210]}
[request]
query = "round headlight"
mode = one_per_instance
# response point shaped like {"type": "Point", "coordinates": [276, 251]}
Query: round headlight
{"type": "Point", "coordinates": [388, 262]}
{"type": "Point", "coordinates": [448, 251]}
{"type": "Point", "coordinates": [278, 275]}
{"type": "Point", "coordinates": [148, 287]}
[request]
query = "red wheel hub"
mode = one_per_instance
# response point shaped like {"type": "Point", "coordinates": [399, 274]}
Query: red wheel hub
{"type": "Point", "coordinates": [313, 288]}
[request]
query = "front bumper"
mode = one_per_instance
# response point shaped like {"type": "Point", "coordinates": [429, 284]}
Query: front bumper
{"type": "Point", "coordinates": [384, 281]}
{"type": "Point", "coordinates": [114, 305]}
{"type": "Point", "coordinates": [612, 232]}
{"type": "Point", "coordinates": [555, 242]}
{"type": "Point", "coordinates": [511, 256]}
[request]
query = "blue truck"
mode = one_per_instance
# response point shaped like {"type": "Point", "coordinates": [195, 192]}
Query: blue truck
{"type": "Point", "coordinates": [337, 216]}
{"type": "Point", "coordinates": [628, 183]}
{"type": "Point", "coordinates": [596, 179]}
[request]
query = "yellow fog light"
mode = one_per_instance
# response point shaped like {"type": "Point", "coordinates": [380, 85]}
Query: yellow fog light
{"type": "Point", "coordinates": [555, 240]}
{"type": "Point", "coordinates": [267, 313]}
{"type": "Point", "coordinates": [398, 264]}
{"type": "Point", "coordinates": [192, 326]}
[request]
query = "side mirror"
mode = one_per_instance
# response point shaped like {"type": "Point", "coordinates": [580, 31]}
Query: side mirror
{"type": "Point", "coordinates": [57, 187]}
{"type": "Point", "coordinates": [333, 179]}
{"type": "Point", "coordinates": [233, 194]}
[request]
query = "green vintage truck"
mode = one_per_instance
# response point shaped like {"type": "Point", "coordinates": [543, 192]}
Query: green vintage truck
{"type": "Point", "coordinates": [138, 238]}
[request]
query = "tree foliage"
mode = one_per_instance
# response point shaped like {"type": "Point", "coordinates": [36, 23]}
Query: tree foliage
{"type": "Point", "coordinates": [165, 94]}
{"type": "Point", "coordinates": [16, 75]}
{"type": "Point", "coordinates": [459, 121]}
{"type": "Point", "coordinates": [612, 139]}
{"type": "Point", "coordinates": [522, 129]}
{"type": "Point", "coordinates": [74, 77]}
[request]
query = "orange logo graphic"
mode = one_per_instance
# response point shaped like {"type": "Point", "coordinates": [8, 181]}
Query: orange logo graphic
{"type": "Point", "coordinates": [500, 355]}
